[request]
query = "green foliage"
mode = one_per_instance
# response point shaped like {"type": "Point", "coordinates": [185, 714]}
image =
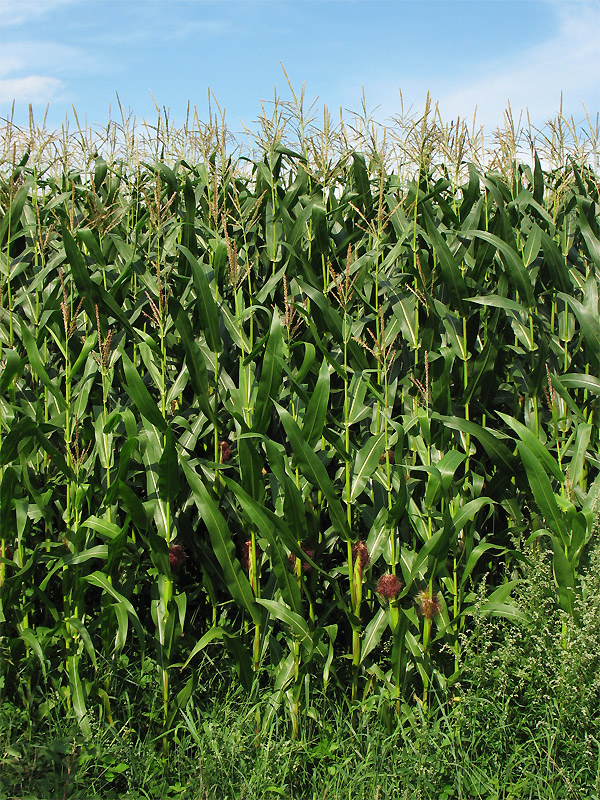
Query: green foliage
{"type": "Point", "coordinates": [233, 398]}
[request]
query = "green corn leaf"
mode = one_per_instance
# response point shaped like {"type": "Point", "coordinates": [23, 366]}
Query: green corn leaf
{"type": "Point", "coordinates": [532, 245]}
{"type": "Point", "coordinates": [35, 361]}
{"type": "Point", "coordinates": [279, 611]}
{"type": "Point", "coordinates": [170, 179]}
{"type": "Point", "coordinates": [357, 408]}
{"type": "Point", "coordinates": [448, 465]}
{"type": "Point", "coordinates": [319, 225]}
{"type": "Point", "coordinates": [99, 551]}
{"type": "Point", "coordinates": [406, 314]}
{"type": "Point", "coordinates": [533, 443]}
{"type": "Point", "coordinates": [556, 262]}
{"type": "Point", "coordinates": [12, 366]}
{"type": "Point", "coordinates": [564, 574]}
{"type": "Point", "coordinates": [208, 314]}
{"type": "Point", "coordinates": [496, 450]}
{"type": "Point", "coordinates": [452, 275]}
{"type": "Point", "coordinates": [122, 626]}
{"type": "Point", "coordinates": [452, 323]}
{"type": "Point", "coordinates": [91, 293]}
{"type": "Point", "coordinates": [474, 556]}
{"type": "Point", "coordinates": [295, 521]}
{"type": "Point", "coordinates": [573, 380]}
{"type": "Point", "coordinates": [538, 180]}
{"type": "Point", "coordinates": [314, 332]}
{"type": "Point", "coordinates": [10, 219]}
{"type": "Point", "coordinates": [316, 411]}
{"type": "Point", "coordinates": [496, 606]}
{"type": "Point", "coordinates": [582, 441]}
{"type": "Point", "coordinates": [32, 641]}
{"type": "Point", "coordinates": [590, 238]}
{"type": "Point", "coordinates": [193, 357]}
{"type": "Point", "coordinates": [516, 268]}
{"type": "Point", "coordinates": [468, 511]}
{"type": "Point", "coordinates": [87, 237]}
{"type": "Point", "coordinates": [334, 324]}
{"type": "Point", "coordinates": [361, 178]}
{"type": "Point", "coordinates": [270, 378]}
{"type": "Point", "coordinates": [379, 534]}
{"type": "Point", "coordinates": [484, 366]}
{"type": "Point", "coordinates": [214, 633]}
{"type": "Point", "coordinates": [53, 453]}
{"type": "Point", "coordinates": [314, 471]}
{"type": "Point", "coordinates": [100, 580]}
{"type": "Point", "coordinates": [7, 495]}
{"type": "Point", "coordinates": [307, 361]}
{"type": "Point", "coordinates": [428, 554]}
{"type": "Point", "coordinates": [505, 610]}
{"type": "Point", "coordinates": [590, 326]}
{"type": "Point", "coordinates": [562, 392]}
{"type": "Point", "coordinates": [140, 395]}
{"type": "Point", "coordinates": [222, 543]}
{"type": "Point", "coordinates": [168, 469]}
{"type": "Point", "coordinates": [219, 259]}
{"type": "Point", "coordinates": [251, 465]}
{"type": "Point", "coordinates": [100, 170]}
{"type": "Point", "coordinates": [542, 492]}
{"type": "Point", "coordinates": [82, 359]}
{"type": "Point", "coordinates": [373, 633]}
{"type": "Point", "coordinates": [78, 696]}
{"type": "Point", "coordinates": [267, 525]}
{"type": "Point", "coordinates": [293, 504]}
{"type": "Point", "coordinates": [152, 453]}
{"type": "Point", "coordinates": [399, 657]}
{"type": "Point", "coordinates": [496, 301]}
{"type": "Point", "coordinates": [124, 460]}
{"type": "Point", "coordinates": [134, 506]}
{"type": "Point", "coordinates": [75, 622]}
{"type": "Point", "coordinates": [367, 461]}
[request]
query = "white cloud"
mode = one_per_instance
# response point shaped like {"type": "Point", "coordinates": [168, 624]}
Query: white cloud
{"type": "Point", "coordinates": [31, 89]}
{"type": "Point", "coordinates": [568, 61]}
{"type": "Point", "coordinates": [42, 56]}
{"type": "Point", "coordinates": [37, 72]}
{"type": "Point", "coordinates": [17, 12]}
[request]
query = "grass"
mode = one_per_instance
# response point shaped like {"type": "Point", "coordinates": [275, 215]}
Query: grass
{"type": "Point", "coordinates": [524, 722]}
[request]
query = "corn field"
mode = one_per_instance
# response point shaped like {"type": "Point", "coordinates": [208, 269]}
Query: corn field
{"type": "Point", "coordinates": [299, 412]}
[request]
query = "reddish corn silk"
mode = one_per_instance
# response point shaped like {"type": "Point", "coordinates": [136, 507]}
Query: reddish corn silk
{"type": "Point", "coordinates": [388, 455]}
{"type": "Point", "coordinates": [429, 603]}
{"type": "Point", "coordinates": [225, 450]}
{"type": "Point", "coordinates": [305, 566]}
{"type": "Point", "coordinates": [359, 550]}
{"type": "Point", "coordinates": [247, 553]}
{"type": "Point", "coordinates": [388, 586]}
{"type": "Point", "coordinates": [177, 556]}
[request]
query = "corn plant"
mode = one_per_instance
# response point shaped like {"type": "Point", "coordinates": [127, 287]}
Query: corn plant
{"type": "Point", "coordinates": [294, 409]}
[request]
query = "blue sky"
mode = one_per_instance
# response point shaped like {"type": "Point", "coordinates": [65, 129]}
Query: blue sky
{"type": "Point", "coordinates": [466, 53]}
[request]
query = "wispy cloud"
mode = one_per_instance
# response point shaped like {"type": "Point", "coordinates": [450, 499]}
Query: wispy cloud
{"type": "Point", "coordinates": [31, 89]}
{"type": "Point", "coordinates": [18, 12]}
{"type": "Point", "coordinates": [42, 56]}
{"type": "Point", "coordinates": [567, 63]}
{"type": "Point", "coordinates": [39, 71]}
{"type": "Point", "coordinates": [531, 78]}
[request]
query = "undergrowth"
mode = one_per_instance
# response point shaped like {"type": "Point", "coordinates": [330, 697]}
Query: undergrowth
{"type": "Point", "coordinates": [522, 722]}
